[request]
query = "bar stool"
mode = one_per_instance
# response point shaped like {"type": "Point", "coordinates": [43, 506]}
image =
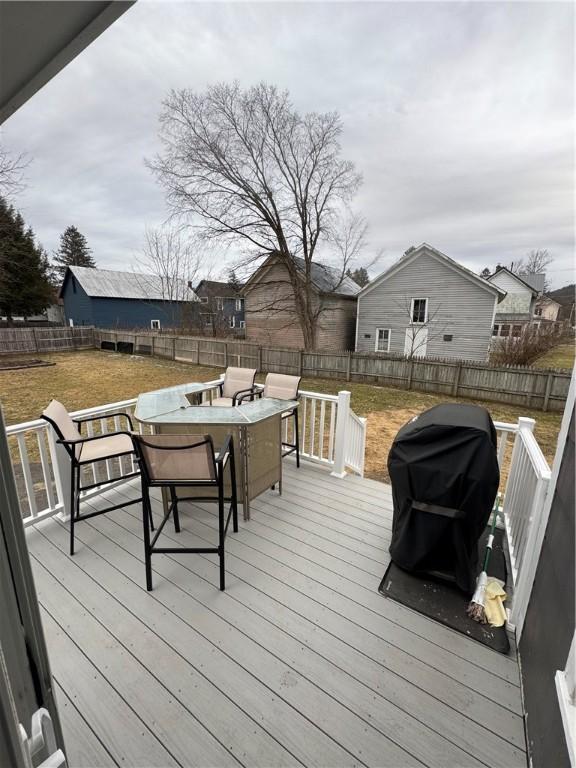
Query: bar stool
{"type": "Point", "coordinates": [189, 461]}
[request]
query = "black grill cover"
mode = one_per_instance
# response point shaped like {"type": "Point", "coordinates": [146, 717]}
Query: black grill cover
{"type": "Point", "coordinates": [444, 471]}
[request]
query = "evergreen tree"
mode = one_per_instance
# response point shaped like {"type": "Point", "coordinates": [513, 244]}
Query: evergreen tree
{"type": "Point", "coordinates": [24, 285]}
{"type": "Point", "coordinates": [234, 282]}
{"type": "Point", "coordinates": [360, 276]}
{"type": "Point", "coordinates": [72, 252]}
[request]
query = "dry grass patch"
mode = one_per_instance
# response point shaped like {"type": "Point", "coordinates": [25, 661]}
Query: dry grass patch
{"type": "Point", "coordinates": [91, 378]}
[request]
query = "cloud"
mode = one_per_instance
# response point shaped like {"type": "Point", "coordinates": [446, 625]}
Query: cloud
{"type": "Point", "coordinates": [459, 115]}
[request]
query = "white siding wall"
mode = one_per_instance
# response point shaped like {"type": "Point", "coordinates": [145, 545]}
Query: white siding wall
{"type": "Point", "coordinates": [518, 297]}
{"type": "Point", "coordinates": [460, 308]}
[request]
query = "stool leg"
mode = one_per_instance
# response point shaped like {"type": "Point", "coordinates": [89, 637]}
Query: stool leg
{"type": "Point", "coordinates": [297, 437]}
{"type": "Point", "coordinates": [174, 500]}
{"type": "Point", "coordinates": [145, 524]}
{"type": "Point", "coordinates": [221, 533]}
{"type": "Point", "coordinates": [233, 485]}
{"type": "Point", "coordinates": [72, 506]}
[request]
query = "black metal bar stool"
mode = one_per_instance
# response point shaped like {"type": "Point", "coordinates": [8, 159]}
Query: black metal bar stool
{"type": "Point", "coordinates": [176, 461]}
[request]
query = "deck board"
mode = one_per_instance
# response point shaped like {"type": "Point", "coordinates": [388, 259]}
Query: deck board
{"type": "Point", "coordinates": [300, 661]}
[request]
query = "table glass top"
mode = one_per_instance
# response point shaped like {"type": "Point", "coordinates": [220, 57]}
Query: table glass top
{"type": "Point", "coordinates": [171, 406]}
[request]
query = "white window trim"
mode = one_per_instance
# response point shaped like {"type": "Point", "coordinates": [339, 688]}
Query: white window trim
{"type": "Point", "coordinates": [232, 321]}
{"type": "Point", "coordinates": [239, 305]}
{"type": "Point", "coordinates": [242, 324]}
{"type": "Point", "coordinates": [204, 299]}
{"type": "Point", "coordinates": [377, 339]}
{"type": "Point", "coordinates": [155, 327]}
{"type": "Point", "coordinates": [219, 302]}
{"type": "Point", "coordinates": [418, 298]}
{"type": "Point", "coordinates": [565, 690]}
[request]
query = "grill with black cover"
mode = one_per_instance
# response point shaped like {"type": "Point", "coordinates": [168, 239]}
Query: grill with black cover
{"type": "Point", "coordinates": [443, 467]}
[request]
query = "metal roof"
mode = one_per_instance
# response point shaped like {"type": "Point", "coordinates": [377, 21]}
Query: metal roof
{"type": "Point", "coordinates": [329, 279]}
{"type": "Point", "coordinates": [535, 281]}
{"type": "Point", "coordinates": [109, 284]}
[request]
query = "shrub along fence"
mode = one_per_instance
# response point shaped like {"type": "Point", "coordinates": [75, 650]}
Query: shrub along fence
{"type": "Point", "coordinates": [531, 387]}
{"type": "Point", "coordinates": [31, 340]}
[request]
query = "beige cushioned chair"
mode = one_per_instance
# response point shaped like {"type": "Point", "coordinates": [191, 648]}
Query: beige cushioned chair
{"type": "Point", "coordinates": [84, 450]}
{"type": "Point", "coordinates": [281, 386]}
{"type": "Point", "coordinates": [237, 381]}
{"type": "Point", "coordinates": [186, 462]}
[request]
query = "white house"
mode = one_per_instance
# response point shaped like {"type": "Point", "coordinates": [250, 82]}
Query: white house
{"type": "Point", "coordinates": [427, 304]}
{"type": "Point", "coordinates": [517, 309]}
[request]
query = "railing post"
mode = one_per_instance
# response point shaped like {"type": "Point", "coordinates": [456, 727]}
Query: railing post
{"type": "Point", "coordinates": [62, 468]}
{"type": "Point", "coordinates": [525, 423]}
{"type": "Point", "coordinates": [342, 418]}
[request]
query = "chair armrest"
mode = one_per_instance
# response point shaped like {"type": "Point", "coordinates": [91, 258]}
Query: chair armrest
{"type": "Point", "coordinates": [81, 440]}
{"type": "Point", "coordinates": [105, 416]}
{"type": "Point", "coordinates": [250, 392]}
{"type": "Point", "coordinates": [224, 452]}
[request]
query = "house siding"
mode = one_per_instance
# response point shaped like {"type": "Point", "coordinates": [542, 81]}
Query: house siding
{"type": "Point", "coordinates": [457, 306]}
{"type": "Point", "coordinates": [115, 313]}
{"type": "Point", "coordinates": [279, 326]}
{"type": "Point", "coordinates": [519, 299]}
{"type": "Point", "coordinates": [77, 303]}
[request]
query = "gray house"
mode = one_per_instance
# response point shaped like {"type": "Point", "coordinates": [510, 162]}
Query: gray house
{"type": "Point", "coordinates": [427, 304]}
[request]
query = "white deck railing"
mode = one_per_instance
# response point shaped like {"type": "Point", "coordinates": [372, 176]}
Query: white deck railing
{"type": "Point", "coordinates": [523, 511]}
{"type": "Point", "coordinates": [43, 469]}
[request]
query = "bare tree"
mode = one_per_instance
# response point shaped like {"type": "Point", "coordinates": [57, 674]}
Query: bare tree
{"type": "Point", "coordinates": [12, 169]}
{"type": "Point", "coordinates": [170, 265]}
{"type": "Point", "coordinates": [535, 262]}
{"type": "Point", "coordinates": [256, 172]}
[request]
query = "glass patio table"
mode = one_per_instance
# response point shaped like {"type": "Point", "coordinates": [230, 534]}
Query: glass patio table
{"type": "Point", "coordinates": [256, 429]}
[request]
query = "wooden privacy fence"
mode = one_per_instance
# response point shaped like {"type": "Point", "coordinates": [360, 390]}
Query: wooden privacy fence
{"type": "Point", "coordinates": [22, 340]}
{"type": "Point", "coordinates": [531, 387]}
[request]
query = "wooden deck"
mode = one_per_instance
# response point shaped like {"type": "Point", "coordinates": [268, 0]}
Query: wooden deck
{"type": "Point", "coordinates": [300, 662]}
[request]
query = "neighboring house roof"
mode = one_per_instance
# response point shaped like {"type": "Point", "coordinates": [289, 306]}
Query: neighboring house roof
{"type": "Point", "coordinates": [216, 288]}
{"type": "Point", "coordinates": [110, 284]}
{"type": "Point", "coordinates": [412, 255]}
{"type": "Point", "coordinates": [536, 281]}
{"type": "Point", "coordinates": [326, 279]}
{"type": "Point", "coordinates": [526, 280]}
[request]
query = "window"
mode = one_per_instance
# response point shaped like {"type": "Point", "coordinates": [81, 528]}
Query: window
{"type": "Point", "coordinates": [207, 321]}
{"type": "Point", "coordinates": [242, 324]}
{"type": "Point", "coordinates": [538, 311]}
{"type": "Point", "coordinates": [155, 325]}
{"type": "Point", "coordinates": [419, 311]}
{"type": "Point", "coordinates": [516, 331]}
{"type": "Point", "coordinates": [495, 330]}
{"type": "Point", "coordinates": [504, 330]}
{"type": "Point", "coordinates": [233, 321]}
{"type": "Point", "coordinates": [204, 299]}
{"type": "Point", "coordinates": [239, 305]}
{"type": "Point", "coordinates": [383, 339]}
{"type": "Point", "coordinates": [219, 302]}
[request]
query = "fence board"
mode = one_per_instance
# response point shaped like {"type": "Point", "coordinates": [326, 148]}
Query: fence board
{"type": "Point", "coordinates": [538, 389]}
{"type": "Point", "coordinates": [39, 340]}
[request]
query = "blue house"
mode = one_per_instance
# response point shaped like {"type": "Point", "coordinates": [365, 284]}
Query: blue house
{"type": "Point", "coordinates": [110, 299]}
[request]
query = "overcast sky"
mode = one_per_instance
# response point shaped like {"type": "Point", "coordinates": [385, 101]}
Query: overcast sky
{"type": "Point", "coordinates": [460, 117]}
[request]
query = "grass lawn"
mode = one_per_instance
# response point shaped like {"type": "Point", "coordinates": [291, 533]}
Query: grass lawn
{"type": "Point", "coordinates": [91, 378]}
{"type": "Point", "coordinates": [561, 356]}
